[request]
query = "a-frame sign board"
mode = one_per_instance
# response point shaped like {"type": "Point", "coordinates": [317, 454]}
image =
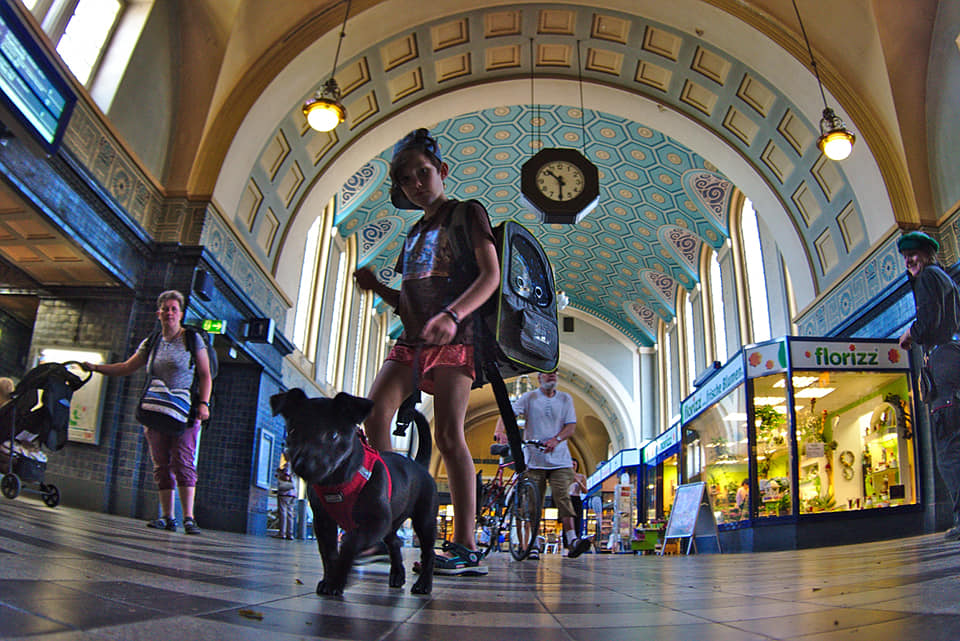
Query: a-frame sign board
{"type": "Point", "coordinates": [691, 517]}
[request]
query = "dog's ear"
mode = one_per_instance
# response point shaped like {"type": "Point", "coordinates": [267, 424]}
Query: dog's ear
{"type": "Point", "coordinates": [283, 402]}
{"type": "Point", "coordinates": [354, 408]}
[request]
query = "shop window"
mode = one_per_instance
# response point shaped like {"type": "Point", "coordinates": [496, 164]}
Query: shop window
{"type": "Point", "coordinates": [718, 439]}
{"type": "Point", "coordinates": [854, 440]}
{"type": "Point", "coordinates": [772, 449]}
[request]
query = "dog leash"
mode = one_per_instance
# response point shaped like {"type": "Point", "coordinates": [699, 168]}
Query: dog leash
{"type": "Point", "coordinates": [405, 413]}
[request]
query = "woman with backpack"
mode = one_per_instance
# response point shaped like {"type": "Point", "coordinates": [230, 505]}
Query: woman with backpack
{"type": "Point", "coordinates": [172, 366]}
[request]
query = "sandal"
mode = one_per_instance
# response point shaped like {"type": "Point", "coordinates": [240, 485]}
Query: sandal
{"type": "Point", "coordinates": [190, 526]}
{"type": "Point", "coordinates": [168, 523]}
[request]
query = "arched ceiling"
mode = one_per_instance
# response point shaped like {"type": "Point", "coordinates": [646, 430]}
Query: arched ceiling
{"type": "Point", "coordinates": [660, 203]}
{"type": "Point", "coordinates": [675, 117]}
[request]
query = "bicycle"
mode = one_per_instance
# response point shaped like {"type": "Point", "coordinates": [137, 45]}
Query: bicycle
{"type": "Point", "coordinates": [511, 507]}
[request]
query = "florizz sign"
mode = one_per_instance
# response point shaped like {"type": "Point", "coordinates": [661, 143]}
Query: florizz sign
{"type": "Point", "coordinates": [847, 355]}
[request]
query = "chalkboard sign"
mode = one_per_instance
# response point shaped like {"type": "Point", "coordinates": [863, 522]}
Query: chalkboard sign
{"type": "Point", "coordinates": [691, 516]}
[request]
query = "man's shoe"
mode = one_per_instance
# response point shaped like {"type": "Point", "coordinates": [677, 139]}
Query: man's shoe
{"type": "Point", "coordinates": [168, 523]}
{"type": "Point", "coordinates": [578, 547]}
{"type": "Point", "coordinates": [190, 526]}
{"type": "Point", "coordinates": [953, 534]}
{"type": "Point", "coordinates": [462, 562]}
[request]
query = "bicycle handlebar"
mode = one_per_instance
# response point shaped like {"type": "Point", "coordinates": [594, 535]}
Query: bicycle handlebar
{"type": "Point", "coordinates": [502, 449]}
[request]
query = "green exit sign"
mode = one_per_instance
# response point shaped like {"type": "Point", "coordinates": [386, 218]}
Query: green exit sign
{"type": "Point", "coordinates": [214, 326]}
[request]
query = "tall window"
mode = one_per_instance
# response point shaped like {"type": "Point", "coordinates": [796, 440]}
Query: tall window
{"type": "Point", "coordinates": [80, 30]}
{"type": "Point", "coordinates": [305, 295]}
{"type": "Point", "coordinates": [756, 281]}
{"type": "Point", "coordinates": [716, 301]}
{"type": "Point", "coordinates": [316, 288]}
{"type": "Point", "coordinates": [334, 313]}
{"type": "Point", "coordinates": [689, 341]}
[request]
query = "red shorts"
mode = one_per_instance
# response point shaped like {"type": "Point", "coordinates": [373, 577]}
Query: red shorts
{"type": "Point", "coordinates": [432, 357]}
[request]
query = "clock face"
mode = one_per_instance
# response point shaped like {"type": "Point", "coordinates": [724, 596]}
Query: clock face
{"type": "Point", "coordinates": [560, 180]}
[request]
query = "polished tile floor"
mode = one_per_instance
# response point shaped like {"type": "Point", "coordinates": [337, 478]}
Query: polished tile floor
{"type": "Point", "coordinates": [69, 574]}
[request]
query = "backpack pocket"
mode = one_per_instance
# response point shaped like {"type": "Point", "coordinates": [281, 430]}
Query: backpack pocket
{"type": "Point", "coordinates": [538, 334]}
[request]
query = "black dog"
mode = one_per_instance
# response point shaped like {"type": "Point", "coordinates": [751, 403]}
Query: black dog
{"type": "Point", "coordinates": [326, 450]}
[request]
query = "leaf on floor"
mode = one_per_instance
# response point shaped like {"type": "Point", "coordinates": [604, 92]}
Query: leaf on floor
{"type": "Point", "coordinates": [250, 614]}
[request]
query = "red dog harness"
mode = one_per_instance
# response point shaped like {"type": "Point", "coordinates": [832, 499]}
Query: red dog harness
{"type": "Point", "coordinates": [339, 500]}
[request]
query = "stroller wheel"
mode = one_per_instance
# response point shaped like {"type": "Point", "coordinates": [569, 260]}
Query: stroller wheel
{"type": "Point", "coordinates": [51, 496]}
{"type": "Point", "coordinates": [10, 486]}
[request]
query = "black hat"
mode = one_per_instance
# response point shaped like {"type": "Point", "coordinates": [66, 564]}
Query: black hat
{"type": "Point", "coordinates": [913, 240]}
{"type": "Point", "coordinates": [417, 139]}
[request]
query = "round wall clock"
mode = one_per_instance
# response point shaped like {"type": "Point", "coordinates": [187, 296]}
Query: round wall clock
{"type": "Point", "coordinates": [560, 185]}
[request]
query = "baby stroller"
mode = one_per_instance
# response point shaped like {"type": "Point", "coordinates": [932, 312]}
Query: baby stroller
{"type": "Point", "coordinates": [38, 415]}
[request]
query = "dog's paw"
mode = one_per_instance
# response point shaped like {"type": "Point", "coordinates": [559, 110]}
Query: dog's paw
{"type": "Point", "coordinates": [397, 577]}
{"type": "Point", "coordinates": [424, 585]}
{"type": "Point", "coordinates": [328, 589]}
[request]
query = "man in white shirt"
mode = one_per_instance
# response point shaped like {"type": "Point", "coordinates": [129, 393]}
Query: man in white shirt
{"type": "Point", "coordinates": [551, 419]}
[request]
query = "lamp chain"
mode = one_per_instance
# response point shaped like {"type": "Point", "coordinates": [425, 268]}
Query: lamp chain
{"type": "Point", "coordinates": [343, 33]}
{"type": "Point", "coordinates": [583, 130]}
{"type": "Point", "coordinates": [813, 62]}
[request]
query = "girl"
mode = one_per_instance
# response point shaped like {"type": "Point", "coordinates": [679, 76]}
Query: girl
{"type": "Point", "coordinates": [436, 347]}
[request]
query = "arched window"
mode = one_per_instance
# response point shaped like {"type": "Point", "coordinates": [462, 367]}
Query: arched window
{"type": "Point", "coordinates": [715, 284]}
{"type": "Point", "coordinates": [79, 29]}
{"type": "Point", "coordinates": [315, 287]}
{"type": "Point", "coordinates": [689, 341]}
{"type": "Point", "coordinates": [332, 316]}
{"type": "Point", "coordinates": [756, 294]}
{"type": "Point", "coordinates": [308, 280]}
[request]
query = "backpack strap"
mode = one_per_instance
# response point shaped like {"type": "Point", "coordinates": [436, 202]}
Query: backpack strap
{"type": "Point", "coordinates": [466, 261]}
{"type": "Point", "coordinates": [152, 341]}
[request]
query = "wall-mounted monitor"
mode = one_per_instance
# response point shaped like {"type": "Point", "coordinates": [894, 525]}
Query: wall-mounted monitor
{"type": "Point", "coordinates": [35, 98]}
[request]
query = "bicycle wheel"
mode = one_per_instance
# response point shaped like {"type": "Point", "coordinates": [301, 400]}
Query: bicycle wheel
{"type": "Point", "coordinates": [523, 518]}
{"type": "Point", "coordinates": [489, 511]}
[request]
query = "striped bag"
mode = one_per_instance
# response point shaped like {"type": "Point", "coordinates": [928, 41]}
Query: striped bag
{"type": "Point", "coordinates": [164, 409]}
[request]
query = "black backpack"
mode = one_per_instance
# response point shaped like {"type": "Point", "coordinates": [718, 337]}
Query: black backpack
{"type": "Point", "coordinates": [189, 332]}
{"type": "Point", "coordinates": [517, 327]}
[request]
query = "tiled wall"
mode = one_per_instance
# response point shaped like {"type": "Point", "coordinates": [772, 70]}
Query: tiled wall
{"type": "Point", "coordinates": [14, 342]}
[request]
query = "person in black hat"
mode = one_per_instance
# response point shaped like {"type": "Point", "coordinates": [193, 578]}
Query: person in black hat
{"type": "Point", "coordinates": [435, 350]}
{"type": "Point", "coordinates": [937, 300]}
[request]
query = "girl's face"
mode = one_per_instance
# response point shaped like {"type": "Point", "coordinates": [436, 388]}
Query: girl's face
{"type": "Point", "coordinates": [420, 180]}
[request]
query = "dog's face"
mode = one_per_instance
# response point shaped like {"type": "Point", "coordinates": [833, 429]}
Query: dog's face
{"type": "Point", "coordinates": [321, 432]}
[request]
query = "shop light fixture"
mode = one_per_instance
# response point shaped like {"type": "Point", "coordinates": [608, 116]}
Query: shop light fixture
{"type": "Point", "coordinates": [324, 111]}
{"type": "Point", "coordinates": [550, 513]}
{"type": "Point", "coordinates": [735, 417]}
{"type": "Point", "coordinates": [815, 392]}
{"type": "Point", "coordinates": [768, 400]}
{"type": "Point", "coordinates": [798, 381]}
{"type": "Point", "coordinates": [836, 141]}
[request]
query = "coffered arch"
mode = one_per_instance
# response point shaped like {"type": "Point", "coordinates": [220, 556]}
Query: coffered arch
{"type": "Point", "coordinates": [746, 119]}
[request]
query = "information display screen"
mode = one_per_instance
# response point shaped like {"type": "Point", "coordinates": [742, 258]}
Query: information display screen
{"type": "Point", "coordinates": [31, 88]}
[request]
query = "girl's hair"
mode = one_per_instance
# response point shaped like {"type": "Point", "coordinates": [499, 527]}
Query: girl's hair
{"type": "Point", "coordinates": [170, 294]}
{"type": "Point", "coordinates": [417, 140]}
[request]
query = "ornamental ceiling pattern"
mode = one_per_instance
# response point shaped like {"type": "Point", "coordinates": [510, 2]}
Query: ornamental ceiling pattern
{"type": "Point", "coordinates": [662, 204]}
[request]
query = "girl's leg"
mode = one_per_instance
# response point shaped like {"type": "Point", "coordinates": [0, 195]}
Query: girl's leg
{"type": "Point", "coordinates": [451, 391]}
{"type": "Point", "coordinates": [393, 384]}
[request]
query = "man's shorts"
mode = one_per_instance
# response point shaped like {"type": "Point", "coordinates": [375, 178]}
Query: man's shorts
{"type": "Point", "coordinates": [560, 479]}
